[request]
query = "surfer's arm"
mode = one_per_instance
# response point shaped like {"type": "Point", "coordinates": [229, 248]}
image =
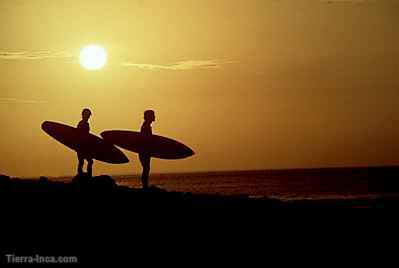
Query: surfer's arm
{"type": "Point", "coordinates": [146, 130]}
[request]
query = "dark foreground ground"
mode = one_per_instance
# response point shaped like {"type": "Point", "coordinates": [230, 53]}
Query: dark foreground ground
{"type": "Point", "coordinates": [101, 222]}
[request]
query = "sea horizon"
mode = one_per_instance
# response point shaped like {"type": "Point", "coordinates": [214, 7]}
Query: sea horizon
{"type": "Point", "coordinates": [291, 169]}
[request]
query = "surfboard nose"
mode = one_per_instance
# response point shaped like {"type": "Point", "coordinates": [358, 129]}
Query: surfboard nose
{"type": "Point", "coordinates": [190, 152]}
{"type": "Point", "coordinates": [45, 125]}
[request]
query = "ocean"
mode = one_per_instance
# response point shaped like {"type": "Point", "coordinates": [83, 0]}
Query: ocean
{"type": "Point", "coordinates": [325, 183]}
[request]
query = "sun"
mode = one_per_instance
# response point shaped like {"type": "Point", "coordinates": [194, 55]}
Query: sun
{"type": "Point", "coordinates": [93, 57]}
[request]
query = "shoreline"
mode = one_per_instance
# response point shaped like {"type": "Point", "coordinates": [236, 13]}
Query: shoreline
{"type": "Point", "coordinates": [104, 187]}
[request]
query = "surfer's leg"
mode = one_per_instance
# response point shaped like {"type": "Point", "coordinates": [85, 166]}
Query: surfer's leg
{"type": "Point", "coordinates": [144, 177]}
{"type": "Point", "coordinates": [80, 164]}
{"type": "Point", "coordinates": [90, 167]}
{"type": "Point", "coordinates": [145, 162]}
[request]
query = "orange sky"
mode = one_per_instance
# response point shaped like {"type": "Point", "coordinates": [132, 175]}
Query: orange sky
{"type": "Point", "coordinates": [246, 84]}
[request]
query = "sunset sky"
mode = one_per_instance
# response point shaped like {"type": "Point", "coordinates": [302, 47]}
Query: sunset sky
{"type": "Point", "coordinates": [247, 84]}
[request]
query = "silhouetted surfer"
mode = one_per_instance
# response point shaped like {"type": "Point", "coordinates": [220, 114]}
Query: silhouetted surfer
{"type": "Point", "coordinates": [145, 159]}
{"type": "Point", "coordinates": [84, 127]}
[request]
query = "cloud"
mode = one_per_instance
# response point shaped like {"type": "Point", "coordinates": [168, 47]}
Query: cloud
{"type": "Point", "coordinates": [20, 101]}
{"type": "Point", "coordinates": [177, 66]}
{"type": "Point", "coordinates": [34, 55]}
{"type": "Point", "coordinates": [180, 65]}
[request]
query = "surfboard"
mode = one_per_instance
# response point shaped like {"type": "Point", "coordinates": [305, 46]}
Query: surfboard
{"type": "Point", "coordinates": [88, 144]}
{"type": "Point", "coordinates": [153, 145]}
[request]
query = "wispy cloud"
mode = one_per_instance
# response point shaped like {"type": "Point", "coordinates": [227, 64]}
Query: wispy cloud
{"type": "Point", "coordinates": [181, 65]}
{"type": "Point", "coordinates": [20, 101]}
{"type": "Point", "coordinates": [176, 66]}
{"type": "Point", "coordinates": [34, 55]}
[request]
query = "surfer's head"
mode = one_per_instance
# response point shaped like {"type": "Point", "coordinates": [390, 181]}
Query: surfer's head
{"type": "Point", "coordinates": [86, 113]}
{"type": "Point", "coordinates": [149, 115]}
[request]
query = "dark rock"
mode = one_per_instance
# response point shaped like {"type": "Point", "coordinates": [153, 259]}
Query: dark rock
{"type": "Point", "coordinates": [103, 182]}
{"type": "Point", "coordinates": [43, 179]}
{"type": "Point", "coordinates": [4, 181]}
{"type": "Point", "coordinates": [4, 178]}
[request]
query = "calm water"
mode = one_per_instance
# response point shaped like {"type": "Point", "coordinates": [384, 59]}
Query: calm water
{"type": "Point", "coordinates": [282, 184]}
